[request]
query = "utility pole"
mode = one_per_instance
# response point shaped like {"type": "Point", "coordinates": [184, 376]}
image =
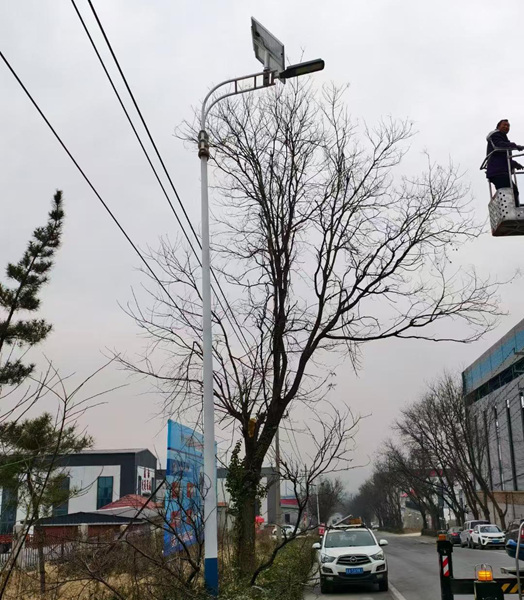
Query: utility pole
{"type": "Point", "coordinates": [318, 509]}
{"type": "Point", "coordinates": [278, 512]}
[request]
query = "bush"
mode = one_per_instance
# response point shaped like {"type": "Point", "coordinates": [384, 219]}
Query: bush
{"type": "Point", "coordinates": [284, 580]}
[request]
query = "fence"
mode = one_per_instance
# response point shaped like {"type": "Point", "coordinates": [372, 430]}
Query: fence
{"type": "Point", "coordinates": [28, 555]}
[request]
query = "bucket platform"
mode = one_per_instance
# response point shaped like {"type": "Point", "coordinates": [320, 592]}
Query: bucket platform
{"type": "Point", "coordinates": [506, 218]}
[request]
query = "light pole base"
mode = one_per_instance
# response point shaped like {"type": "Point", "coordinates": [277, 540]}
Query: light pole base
{"type": "Point", "coordinates": [211, 575]}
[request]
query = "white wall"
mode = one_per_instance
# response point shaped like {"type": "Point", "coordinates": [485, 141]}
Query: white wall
{"type": "Point", "coordinates": [85, 480]}
{"type": "Point", "coordinates": [223, 496]}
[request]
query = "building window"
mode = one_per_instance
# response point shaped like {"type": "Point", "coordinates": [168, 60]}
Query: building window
{"type": "Point", "coordinates": [511, 446]}
{"type": "Point", "coordinates": [499, 449]}
{"type": "Point", "coordinates": [8, 504]}
{"type": "Point", "coordinates": [63, 509]}
{"type": "Point", "coordinates": [104, 493]}
{"type": "Point", "coordinates": [488, 453]}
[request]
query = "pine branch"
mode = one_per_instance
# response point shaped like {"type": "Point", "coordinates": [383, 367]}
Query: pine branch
{"type": "Point", "coordinates": [30, 273]}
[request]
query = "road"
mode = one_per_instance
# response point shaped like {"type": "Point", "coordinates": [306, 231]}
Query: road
{"type": "Point", "coordinates": [413, 570]}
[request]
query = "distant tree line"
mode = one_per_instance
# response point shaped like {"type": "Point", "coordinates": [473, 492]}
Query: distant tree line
{"type": "Point", "coordinates": [439, 459]}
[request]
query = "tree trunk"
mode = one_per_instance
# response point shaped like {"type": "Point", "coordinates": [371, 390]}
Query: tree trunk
{"type": "Point", "coordinates": [39, 535]}
{"type": "Point", "coordinates": [501, 513]}
{"type": "Point", "coordinates": [459, 516]}
{"type": "Point", "coordinates": [424, 519]}
{"type": "Point", "coordinates": [245, 524]}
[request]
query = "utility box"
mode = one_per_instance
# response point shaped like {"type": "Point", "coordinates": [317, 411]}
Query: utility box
{"type": "Point", "coordinates": [506, 218]}
{"type": "Point", "coordinates": [487, 590]}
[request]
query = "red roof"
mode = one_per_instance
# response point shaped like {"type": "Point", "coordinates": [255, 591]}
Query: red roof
{"type": "Point", "coordinates": [133, 500]}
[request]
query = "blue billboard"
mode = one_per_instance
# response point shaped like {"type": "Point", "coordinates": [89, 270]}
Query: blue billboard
{"type": "Point", "coordinates": [184, 482]}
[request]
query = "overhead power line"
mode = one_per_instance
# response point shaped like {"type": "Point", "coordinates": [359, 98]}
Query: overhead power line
{"type": "Point", "coordinates": [228, 311]}
{"type": "Point", "coordinates": [88, 181]}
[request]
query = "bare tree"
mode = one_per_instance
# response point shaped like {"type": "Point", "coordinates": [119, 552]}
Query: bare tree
{"type": "Point", "coordinates": [379, 498]}
{"type": "Point", "coordinates": [331, 454]}
{"type": "Point", "coordinates": [323, 246]}
{"type": "Point", "coordinates": [418, 479]}
{"type": "Point", "coordinates": [327, 495]}
{"type": "Point", "coordinates": [440, 427]}
{"type": "Point", "coordinates": [31, 454]}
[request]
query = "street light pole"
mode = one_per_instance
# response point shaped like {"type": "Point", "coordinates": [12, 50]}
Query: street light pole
{"type": "Point", "coordinates": [240, 85]}
{"type": "Point", "coordinates": [210, 498]}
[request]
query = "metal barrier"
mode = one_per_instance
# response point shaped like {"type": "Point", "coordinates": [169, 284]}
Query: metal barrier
{"type": "Point", "coordinates": [451, 586]}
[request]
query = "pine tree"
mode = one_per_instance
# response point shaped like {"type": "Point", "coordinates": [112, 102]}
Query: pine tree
{"type": "Point", "coordinates": [29, 275]}
{"type": "Point", "coordinates": [31, 452]}
{"type": "Point", "coordinates": [30, 461]}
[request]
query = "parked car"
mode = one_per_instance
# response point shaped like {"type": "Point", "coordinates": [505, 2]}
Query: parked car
{"type": "Point", "coordinates": [465, 534]}
{"type": "Point", "coordinates": [351, 555]}
{"type": "Point", "coordinates": [287, 531]}
{"type": "Point", "coordinates": [453, 535]}
{"type": "Point", "coordinates": [512, 531]}
{"type": "Point", "coordinates": [487, 536]}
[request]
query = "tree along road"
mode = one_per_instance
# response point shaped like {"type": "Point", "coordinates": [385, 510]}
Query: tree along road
{"type": "Point", "coordinates": [413, 570]}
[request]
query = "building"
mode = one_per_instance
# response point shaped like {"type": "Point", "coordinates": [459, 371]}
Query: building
{"type": "Point", "coordinates": [289, 510]}
{"type": "Point", "coordinates": [87, 526]}
{"type": "Point", "coordinates": [268, 504]}
{"type": "Point", "coordinates": [99, 477]}
{"type": "Point", "coordinates": [494, 394]}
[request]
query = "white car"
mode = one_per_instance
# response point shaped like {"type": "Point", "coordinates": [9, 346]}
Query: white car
{"type": "Point", "coordinates": [467, 530]}
{"type": "Point", "coordinates": [286, 531]}
{"type": "Point", "coordinates": [486, 536]}
{"type": "Point", "coordinates": [351, 555]}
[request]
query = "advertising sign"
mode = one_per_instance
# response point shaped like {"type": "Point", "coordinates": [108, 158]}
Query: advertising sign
{"type": "Point", "coordinates": [145, 477]}
{"type": "Point", "coordinates": [184, 487]}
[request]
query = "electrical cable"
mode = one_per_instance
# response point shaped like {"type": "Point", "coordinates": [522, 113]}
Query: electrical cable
{"type": "Point", "coordinates": [159, 156]}
{"type": "Point", "coordinates": [86, 178]}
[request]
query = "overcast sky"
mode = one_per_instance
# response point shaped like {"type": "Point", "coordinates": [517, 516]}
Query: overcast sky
{"type": "Point", "coordinates": [452, 67]}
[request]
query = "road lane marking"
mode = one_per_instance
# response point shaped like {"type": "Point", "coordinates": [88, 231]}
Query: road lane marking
{"type": "Point", "coordinates": [395, 593]}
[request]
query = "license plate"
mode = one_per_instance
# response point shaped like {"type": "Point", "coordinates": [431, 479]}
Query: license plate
{"type": "Point", "coordinates": [354, 571]}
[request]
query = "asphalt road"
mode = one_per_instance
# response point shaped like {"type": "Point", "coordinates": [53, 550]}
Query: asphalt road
{"type": "Point", "coordinates": [413, 570]}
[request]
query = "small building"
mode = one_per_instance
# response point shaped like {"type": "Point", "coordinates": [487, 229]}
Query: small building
{"type": "Point", "coordinates": [100, 478]}
{"type": "Point", "coordinates": [289, 510]}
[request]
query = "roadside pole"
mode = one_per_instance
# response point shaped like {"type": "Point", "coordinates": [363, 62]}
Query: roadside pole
{"type": "Point", "coordinates": [445, 550]}
{"type": "Point", "coordinates": [278, 512]}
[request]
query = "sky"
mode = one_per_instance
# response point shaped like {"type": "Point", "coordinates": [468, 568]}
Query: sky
{"type": "Point", "coordinates": [451, 67]}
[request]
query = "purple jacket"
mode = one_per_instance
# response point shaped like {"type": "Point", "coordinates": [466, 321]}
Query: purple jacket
{"type": "Point", "coordinates": [498, 162]}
